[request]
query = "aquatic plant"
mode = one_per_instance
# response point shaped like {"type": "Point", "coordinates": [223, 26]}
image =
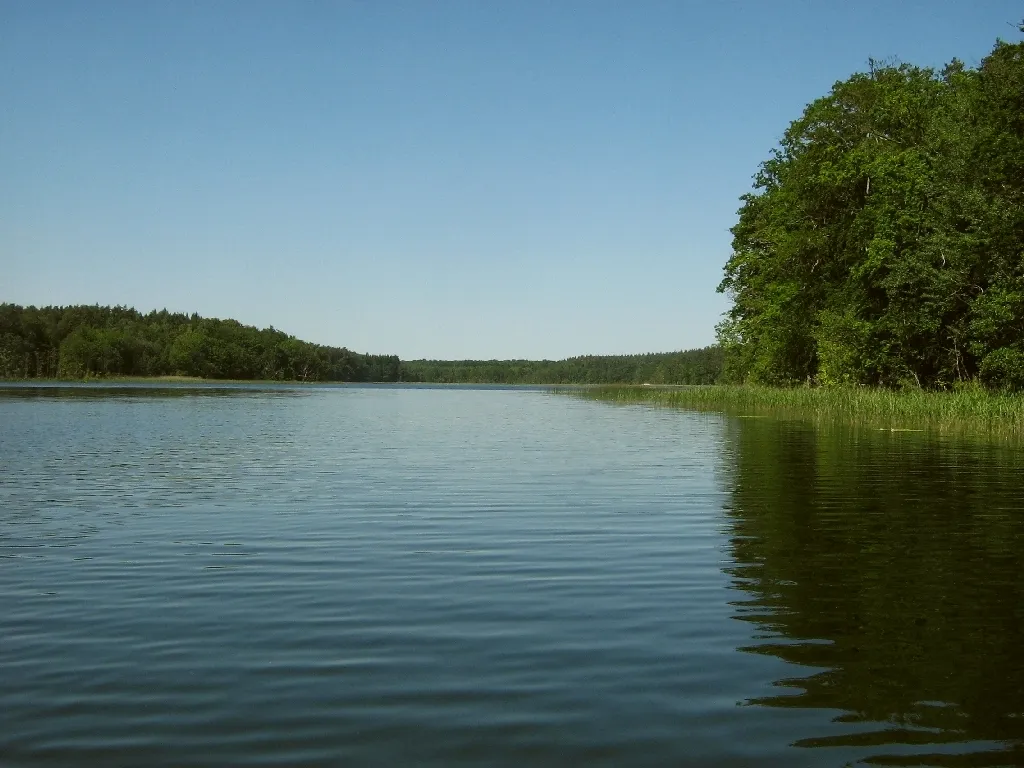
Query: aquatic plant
{"type": "Point", "coordinates": [968, 408]}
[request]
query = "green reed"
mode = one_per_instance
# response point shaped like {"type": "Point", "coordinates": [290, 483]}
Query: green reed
{"type": "Point", "coordinates": [970, 409]}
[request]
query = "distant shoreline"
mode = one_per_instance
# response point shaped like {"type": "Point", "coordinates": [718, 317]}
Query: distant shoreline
{"type": "Point", "coordinates": [974, 410]}
{"type": "Point", "coordinates": [102, 380]}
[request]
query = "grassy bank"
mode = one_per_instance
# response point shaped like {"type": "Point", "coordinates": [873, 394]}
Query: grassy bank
{"type": "Point", "coordinates": [967, 410]}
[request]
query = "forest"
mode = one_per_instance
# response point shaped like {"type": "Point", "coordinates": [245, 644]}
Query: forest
{"type": "Point", "coordinates": [695, 366]}
{"type": "Point", "coordinates": [883, 242]}
{"type": "Point", "coordinates": [79, 342]}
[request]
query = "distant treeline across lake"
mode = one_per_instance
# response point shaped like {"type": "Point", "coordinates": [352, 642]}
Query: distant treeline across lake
{"type": "Point", "coordinates": [694, 366]}
{"type": "Point", "coordinates": [78, 342]}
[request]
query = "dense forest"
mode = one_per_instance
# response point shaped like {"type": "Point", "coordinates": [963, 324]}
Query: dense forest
{"type": "Point", "coordinates": [883, 243]}
{"type": "Point", "coordinates": [84, 341]}
{"type": "Point", "coordinates": [79, 342]}
{"type": "Point", "coordinates": [695, 366]}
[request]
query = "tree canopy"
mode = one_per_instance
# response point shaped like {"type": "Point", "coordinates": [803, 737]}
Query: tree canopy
{"type": "Point", "coordinates": [81, 341]}
{"type": "Point", "coordinates": [883, 243]}
{"type": "Point", "coordinates": [694, 366]}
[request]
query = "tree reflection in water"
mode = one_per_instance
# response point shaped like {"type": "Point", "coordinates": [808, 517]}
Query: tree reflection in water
{"type": "Point", "coordinates": [888, 568]}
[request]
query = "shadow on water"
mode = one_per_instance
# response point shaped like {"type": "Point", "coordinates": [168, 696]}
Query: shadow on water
{"type": "Point", "coordinates": [887, 569]}
{"type": "Point", "coordinates": [141, 390]}
{"type": "Point", "coordinates": [105, 390]}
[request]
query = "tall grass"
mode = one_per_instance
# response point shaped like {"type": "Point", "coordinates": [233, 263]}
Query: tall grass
{"type": "Point", "coordinates": [971, 409]}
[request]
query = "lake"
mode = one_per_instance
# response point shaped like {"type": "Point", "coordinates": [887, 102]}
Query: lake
{"type": "Point", "coordinates": [295, 576]}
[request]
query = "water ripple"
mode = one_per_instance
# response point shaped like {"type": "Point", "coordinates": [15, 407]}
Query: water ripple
{"type": "Point", "coordinates": [391, 576]}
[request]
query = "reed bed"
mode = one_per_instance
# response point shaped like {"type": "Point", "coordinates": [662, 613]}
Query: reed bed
{"type": "Point", "coordinates": [971, 409]}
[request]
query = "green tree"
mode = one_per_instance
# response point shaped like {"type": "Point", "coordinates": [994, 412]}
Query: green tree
{"type": "Point", "coordinates": [883, 241]}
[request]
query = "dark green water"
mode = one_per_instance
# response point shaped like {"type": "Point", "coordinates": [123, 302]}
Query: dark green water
{"type": "Point", "coordinates": [389, 576]}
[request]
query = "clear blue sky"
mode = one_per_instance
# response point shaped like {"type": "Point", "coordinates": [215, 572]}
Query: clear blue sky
{"type": "Point", "coordinates": [477, 179]}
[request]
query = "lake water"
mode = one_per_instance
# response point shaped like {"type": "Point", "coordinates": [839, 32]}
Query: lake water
{"type": "Point", "coordinates": [421, 576]}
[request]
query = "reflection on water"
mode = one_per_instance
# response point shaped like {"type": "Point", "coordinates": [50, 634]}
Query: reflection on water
{"type": "Point", "coordinates": [889, 567]}
{"type": "Point", "coordinates": [129, 391]}
{"type": "Point", "coordinates": [386, 576]}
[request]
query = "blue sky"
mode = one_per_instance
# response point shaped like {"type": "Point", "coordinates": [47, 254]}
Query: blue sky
{"type": "Point", "coordinates": [478, 179]}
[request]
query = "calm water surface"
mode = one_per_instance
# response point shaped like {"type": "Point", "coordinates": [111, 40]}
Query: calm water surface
{"type": "Point", "coordinates": [389, 576]}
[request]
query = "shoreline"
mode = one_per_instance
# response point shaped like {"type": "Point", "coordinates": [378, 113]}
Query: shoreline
{"type": "Point", "coordinates": [998, 415]}
{"type": "Point", "coordinates": [100, 380]}
{"type": "Point", "coordinates": [185, 380]}
{"type": "Point", "coordinates": [970, 410]}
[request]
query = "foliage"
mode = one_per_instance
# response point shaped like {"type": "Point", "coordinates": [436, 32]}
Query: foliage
{"type": "Point", "coordinates": [83, 341]}
{"type": "Point", "coordinates": [695, 366]}
{"type": "Point", "coordinates": [966, 409]}
{"type": "Point", "coordinates": [90, 341]}
{"type": "Point", "coordinates": [884, 241]}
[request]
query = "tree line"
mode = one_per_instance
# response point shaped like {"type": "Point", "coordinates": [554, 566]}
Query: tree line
{"type": "Point", "coordinates": [883, 243]}
{"type": "Point", "coordinates": [78, 342]}
{"type": "Point", "coordinates": [695, 366]}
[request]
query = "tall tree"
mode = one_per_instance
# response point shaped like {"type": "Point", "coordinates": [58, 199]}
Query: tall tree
{"type": "Point", "coordinates": [882, 242]}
